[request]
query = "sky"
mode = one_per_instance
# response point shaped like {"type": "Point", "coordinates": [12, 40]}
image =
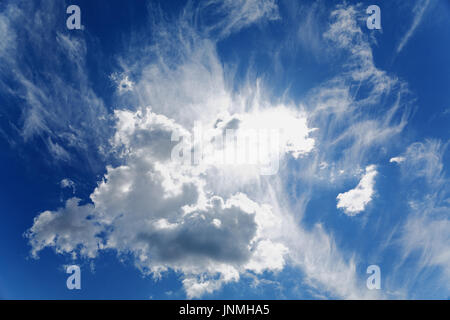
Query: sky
{"type": "Point", "coordinates": [107, 158]}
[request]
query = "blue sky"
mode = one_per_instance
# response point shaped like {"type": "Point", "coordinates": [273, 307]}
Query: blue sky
{"type": "Point", "coordinates": [86, 120]}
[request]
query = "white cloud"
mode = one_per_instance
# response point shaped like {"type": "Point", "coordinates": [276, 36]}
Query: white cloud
{"type": "Point", "coordinates": [424, 236]}
{"type": "Point", "coordinates": [345, 33]}
{"type": "Point", "coordinates": [240, 14]}
{"type": "Point", "coordinates": [56, 102]}
{"type": "Point", "coordinates": [8, 36]}
{"type": "Point", "coordinates": [427, 233]}
{"type": "Point", "coordinates": [67, 183]}
{"type": "Point", "coordinates": [425, 244]}
{"type": "Point", "coordinates": [397, 159]}
{"type": "Point", "coordinates": [424, 160]}
{"type": "Point", "coordinates": [161, 213]}
{"type": "Point", "coordinates": [318, 256]}
{"type": "Point", "coordinates": [310, 27]}
{"type": "Point", "coordinates": [350, 109]}
{"type": "Point", "coordinates": [123, 83]}
{"type": "Point", "coordinates": [65, 229]}
{"type": "Point", "coordinates": [355, 201]}
{"type": "Point", "coordinates": [419, 10]}
{"type": "Point", "coordinates": [268, 255]}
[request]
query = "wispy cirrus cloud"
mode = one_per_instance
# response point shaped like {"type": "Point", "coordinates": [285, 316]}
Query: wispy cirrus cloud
{"type": "Point", "coordinates": [425, 239]}
{"type": "Point", "coordinates": [53, 103]}
{"type": "Point", "coordinates": [419, 11]}
{"type": "Point", "coordinates": [238, 14]}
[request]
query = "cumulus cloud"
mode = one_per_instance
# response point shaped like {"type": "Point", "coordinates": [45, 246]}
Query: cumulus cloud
{"type": "Point", "coordinates": [65, 230]}
{"type": "Point", "coordinates": [355, 201]}
{"type": "Point", "coordinates": [162, 215]}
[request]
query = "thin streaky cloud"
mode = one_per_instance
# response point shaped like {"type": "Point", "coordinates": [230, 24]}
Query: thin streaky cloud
{"type": "Point", "coordinates": [419, 10]}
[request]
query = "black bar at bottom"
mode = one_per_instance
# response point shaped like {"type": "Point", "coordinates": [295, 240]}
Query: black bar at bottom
{"type": "Point", "coordinates": [223, 309]}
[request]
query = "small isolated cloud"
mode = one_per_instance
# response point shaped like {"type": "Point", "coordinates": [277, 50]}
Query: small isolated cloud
{"type": "Point", "coordinates": [397, 160]}
{"type": "Point", "coordinates": [355, 200]}
{"type": "Point", "coordinates": [122, 82]}
{"type": "Point", "coordinates": [67, 183]}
